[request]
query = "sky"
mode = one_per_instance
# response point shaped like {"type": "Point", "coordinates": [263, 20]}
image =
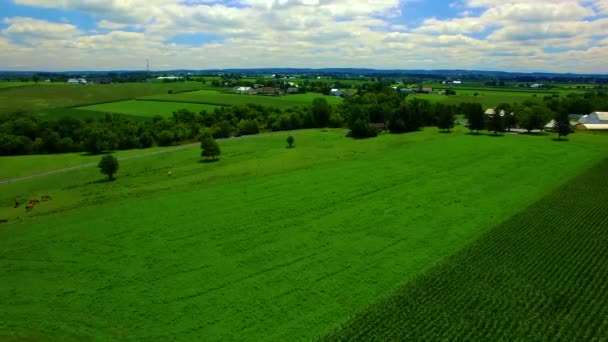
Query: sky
{"type": "Point", "coordinates": [509, 35]}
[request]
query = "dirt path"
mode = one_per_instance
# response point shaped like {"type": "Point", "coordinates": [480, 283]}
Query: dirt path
{"type": "Point", "coordinates": [83, 166]}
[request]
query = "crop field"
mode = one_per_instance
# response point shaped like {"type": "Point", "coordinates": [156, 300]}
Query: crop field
{"type": "Point", "coordinates": [541, 275]}
{"type": "Point", "coordinates": [486, 98]}
{"type": "Point", "coordinates": [322, 230]}
{"type": "Point", "coordinates": [40, 97]}
{"type": "Point", "coordinates": [147, 108]}
{"type": "Point", "coordinates": [227, 99]}
{"type": "Point", "coordinates": [12, 84]}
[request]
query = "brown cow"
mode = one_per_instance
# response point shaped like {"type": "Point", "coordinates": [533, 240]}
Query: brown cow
{"type": "Point", "coordinates": [29, 207]}
{"type": "Point", "coordinates": [3, 221]}
{"type": "Point", "coordinates": [46, 197]}
{"type": "Point", "coordinates": [34, 201]}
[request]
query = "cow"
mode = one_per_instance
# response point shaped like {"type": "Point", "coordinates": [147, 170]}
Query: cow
{"type": "Point", "coordinates": [3, 221]}
{"type": "Point", "coordinates": [34, 201]}
{"type": "Point", "coordinates": [17, 203]}
{"type": "Point", "coordinates": [29, 207]}
{"type": "Point", "coordinates": [46, 197]}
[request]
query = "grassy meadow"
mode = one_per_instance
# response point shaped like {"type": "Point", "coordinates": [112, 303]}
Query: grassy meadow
{"type": "Point", "coordinates": [228, 99]}
{"type": "Point", "coordinates": [269, 243]}
{"type": "Point", "coordinates": [147, 108]}
{"type": "Point", "coordinates": [41, 97]}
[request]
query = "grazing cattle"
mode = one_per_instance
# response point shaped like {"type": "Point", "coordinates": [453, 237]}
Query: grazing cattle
{"type": "Point", "coordinates": [29, 207]}
{"type": "Point", "coordinates": [34, 201]}
{"type": "Point", "coordinates": [17, 203]}
{"type": "Point", "coordinates": [3, 221]}
{"type": "Point", "coordinates": [46, 197]}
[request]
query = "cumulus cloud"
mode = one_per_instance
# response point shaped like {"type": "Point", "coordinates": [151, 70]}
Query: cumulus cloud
{"type": "Point", "coordinates": [29, 28]}
{"type": "Point", "coordinates": [487, 34]}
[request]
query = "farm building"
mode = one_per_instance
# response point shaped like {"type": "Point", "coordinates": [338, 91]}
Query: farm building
{"type": "Point", "coordinates": [595, 118]}
{"type": "Point", "coordinates": [244, 90]}
{"type": "Point", "coordinates": [169, 78]}
{"type": "Point", "coordinates": [406, 91]}
{"type": "Point", "coordinates": [551, 125]}
{"type": "Point", "coordinates": [335, 92]}
{"type": "Point", "coordinates": [293, 90]}
{"type": "Point", "coordinates": [596, 121]}
{"type": "Point", "coordinates": [76, 81]}
{"type": "Point", "coordinates": [490, 111]}
{"type": "Point", "coordinates": [269, 91]}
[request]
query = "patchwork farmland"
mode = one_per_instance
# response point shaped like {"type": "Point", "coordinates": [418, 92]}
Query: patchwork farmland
{"type": "Point", "coordinates": [154, 255]}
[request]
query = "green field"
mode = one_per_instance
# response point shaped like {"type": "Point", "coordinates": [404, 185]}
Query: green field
{"type": "Point", "coordinates": [268, 243]}
{"type": "Point", "coordinates": [40, 97]}
{"type": "Point", "coordinates": [541, 275]}
{"type": "Point", "coordinates": [147, 108]}
{"type": "Point", "coordinates": [12, 84]}
{"type": "Point", "coordinates": [228, 99]}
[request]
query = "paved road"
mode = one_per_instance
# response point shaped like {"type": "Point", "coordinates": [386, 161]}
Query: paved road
{"type": "Point", "coordinates": [83, 166]}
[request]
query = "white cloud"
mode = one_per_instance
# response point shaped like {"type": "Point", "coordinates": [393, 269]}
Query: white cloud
{"type": "Point", "coordinates": [505, 34]}
{"type": "Point", "coordinates": [29, 28]}
{"type": "Point", "coordinates": [106, 24]}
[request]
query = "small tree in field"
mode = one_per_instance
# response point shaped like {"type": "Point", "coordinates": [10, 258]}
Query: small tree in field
{"type": "Point", "coordinates": [290, 141]}
{"type": "Point", "coordinates": [108, 165]}
{"type": "Point", "coordinates": [562, 125]}
{"type": "Point", "coordinates": [209, 147]}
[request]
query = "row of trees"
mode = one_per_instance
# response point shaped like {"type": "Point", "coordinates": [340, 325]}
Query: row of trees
{"type": "Point", "coordinates": [21, 133]}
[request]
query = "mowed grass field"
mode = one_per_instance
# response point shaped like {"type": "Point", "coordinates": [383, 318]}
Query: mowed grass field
{"type": "Point", "coordinates": [147, 108]}
{"type": "Point", "coordinates": [41, 97]}
{"type": "Point", "coordinates": [540, 275]}
{"type": "Point", "coordinates": [228, 99]}
{"type": "Point", "coordinates": [269, 243]}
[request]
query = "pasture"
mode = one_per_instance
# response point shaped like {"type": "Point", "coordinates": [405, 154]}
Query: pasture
{"type": "Point", "coordinates": [41, 97]}
{"type": "Point", "coordinates": [147, 108]}
{"type": "Point", "coordinates": [228, 99]}
{"type": "Point", "coordinates": [540, 275]}
{"type": "Point", "coordinates": [269, 243]}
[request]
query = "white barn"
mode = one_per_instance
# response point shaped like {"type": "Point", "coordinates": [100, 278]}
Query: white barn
{"type": "Point", "coordinates": [595, 118]}
{"type": "Point", "coordinates": [243, 90]}
{"type": "Point", "coordinates": [335, 92]}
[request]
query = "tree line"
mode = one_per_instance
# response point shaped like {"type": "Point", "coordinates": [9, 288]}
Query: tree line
{"type": "Point", "coordinates": [364, 114]}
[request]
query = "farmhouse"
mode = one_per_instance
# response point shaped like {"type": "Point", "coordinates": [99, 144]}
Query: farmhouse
{"type": "Point", "coordinates": [335, 92]}
{"type": "Point", "coordinates": [244, 90]}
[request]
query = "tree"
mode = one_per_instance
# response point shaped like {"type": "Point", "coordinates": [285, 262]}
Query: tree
{"type": "Point", "coordinates": [533, 118]}
{"type": "Point", "coordinates": [108, 165]}
{"type": "Point", "coordinates": [509, 118]}
{"type": "Point", "coordinates": [496, 121]}
{"type": "Point", "coordinates": [474, 113]}
{"type": "Point", "coordinates": [290, 141]}
{"type": "Point", "coordinates": [209, 147]}
{"type": "Point", "coordinates": [562, 125]}
{"type": "Point", "coordinates": [321, 112]}
{"type": "Point", "coordinates": [445, 117]}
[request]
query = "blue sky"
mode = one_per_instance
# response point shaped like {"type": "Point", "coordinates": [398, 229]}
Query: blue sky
{"type": "Point", "coordinates": [511, 35]}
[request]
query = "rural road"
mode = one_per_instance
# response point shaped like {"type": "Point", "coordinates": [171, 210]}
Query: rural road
{"type": "Point", "coordinates": [83, 166]}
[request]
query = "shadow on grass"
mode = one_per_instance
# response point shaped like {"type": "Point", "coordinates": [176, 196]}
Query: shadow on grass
{"type": "Point", "coordinates": [474, 133]}
{"type": "Point", "coordinates": [289, 148]}
{"type": "Point", "coordinates": [91, 154]}
{"type": "Point", "coordinates": [101, 181]}
{"type": "Point", "coordinates": [495, 135]}
{"type": "Point", "coordinates": [560, 139]}
{"type": "Point", "coordinates": [445, 132]}
{"type": "Point", "coordinates": [208, 161]}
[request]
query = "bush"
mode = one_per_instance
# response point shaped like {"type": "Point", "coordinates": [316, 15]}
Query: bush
{"type": "Point", "coordinates": [165, 138]}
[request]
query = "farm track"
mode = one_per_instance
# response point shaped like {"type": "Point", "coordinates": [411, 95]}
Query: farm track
{"type": "Point", "coordinates": [538, 276]}
{"type": "Point", "coordinates": [87, 165]}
